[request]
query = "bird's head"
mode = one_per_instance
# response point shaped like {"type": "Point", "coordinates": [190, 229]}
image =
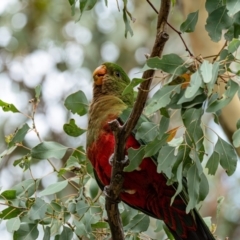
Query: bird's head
{"type": "Point", "coordinates": [110, 79]}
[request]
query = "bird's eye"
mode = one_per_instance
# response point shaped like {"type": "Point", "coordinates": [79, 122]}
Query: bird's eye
{"type": "Point", "coordinates": [117, 74]}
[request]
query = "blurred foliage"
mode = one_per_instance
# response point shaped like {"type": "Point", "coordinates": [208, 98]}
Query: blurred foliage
{"type": "Point", "coordinates": [41, 44]}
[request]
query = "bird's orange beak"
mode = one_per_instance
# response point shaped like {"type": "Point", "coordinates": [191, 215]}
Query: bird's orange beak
{"type": "Point", "coordinates": [98, 74]}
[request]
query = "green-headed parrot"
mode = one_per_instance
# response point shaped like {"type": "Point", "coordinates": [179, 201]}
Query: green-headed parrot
{"type": "Point", "coordinates": [143, 189]}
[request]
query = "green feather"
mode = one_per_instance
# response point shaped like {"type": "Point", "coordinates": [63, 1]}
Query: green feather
{"type": "Point", "coordinates": [108, 100]}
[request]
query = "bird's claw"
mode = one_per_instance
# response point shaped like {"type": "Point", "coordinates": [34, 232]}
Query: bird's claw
{"type": "Point", "coordinates": [106, 193]}
{"type": "Point", "coordinates": [125, 161]}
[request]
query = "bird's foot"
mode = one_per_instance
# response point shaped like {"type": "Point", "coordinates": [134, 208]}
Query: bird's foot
{"type": "Point", "coordinates": [125, 161]}
{"type": "Point", "coordinates": [107, 195]}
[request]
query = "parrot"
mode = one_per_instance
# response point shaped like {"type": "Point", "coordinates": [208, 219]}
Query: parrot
{"type": "Point", "coordinates": [144, 188]}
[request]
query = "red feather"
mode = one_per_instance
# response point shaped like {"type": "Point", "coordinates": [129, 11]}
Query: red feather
{"type": "Point", "coordinates": [152, 195]}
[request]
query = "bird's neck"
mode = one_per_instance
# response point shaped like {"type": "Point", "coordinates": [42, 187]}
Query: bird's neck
{"type": "Point", "coordinates": [102, 110]}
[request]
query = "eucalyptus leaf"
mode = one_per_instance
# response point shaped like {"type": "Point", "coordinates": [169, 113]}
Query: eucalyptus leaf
{"type": "Point", "coordinates": [135, 157]}
{"type": "Point", "coordinates": [236, 138]}
{"type": "Point", "coordinates": [147, 131]}
{"type": "Point", "coordinates": [233, 45]}
{"type": "Point", "coordinates": [8, 107]}
{"type": "Point", "coordinates": [233, 6]}
{"type": "Point", "coordinates": [19, 135]}
{"type": "Point", "coordinates": [54, 188]}
{"type": "Point", "coordinates": [189, 24]}
{"type": "Point", "coordinates": [228, 156]}
{"type": "Point", "coordinates": [38, 209]}
{"type": "Point", "coordinates": [48, 149]}
{"type": "Point", "coordinates": [139, 223]}
{"type": "Point", "coordinates": [47, 233]}
{"type": "Point", "coordinates": [195, 84]}
{"type": "Point", "coordinates": [38, 89]}
{"type": "Point", "coordinates": [66, 234]}
{"type": "Point", "coordinates": [170, 63]}
{"type": "Point", "coordinates": [193, 183]}
{"type": "Point", "coordinates": [8, 194]}
{"type": "Point", "coordinates": [232, 88]}
{"type": "Point", "coordinates": [218, 21]}
{"type": "Point", "coordinates": [161, 98]}
{"type": "Point", "coordinates": [81, 207]}
{"type": "Point", "coordinates": [77, 103]}
{"type": "Point", "coordinates": [131, 85]}
{"type": "Point", "coordinates": [72, 129]}
{"type": "Point", "coordinates": [166, 159]}
{"type": "Point", "coordinates": [212, 163]}
{"type": "Point", "coordinates": [206, 69]}
{"type": "Point", "coordinates": [26, 232]}
{"type": "Point", "coordinates": [13, 224]}
{"type": "Point", "coordinates": [211, 84]}
{"type": "Point", "coordinates": [26, 188]}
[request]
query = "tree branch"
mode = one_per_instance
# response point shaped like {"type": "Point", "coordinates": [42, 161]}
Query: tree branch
{"type": "Point", "coordinates": [121, 133]}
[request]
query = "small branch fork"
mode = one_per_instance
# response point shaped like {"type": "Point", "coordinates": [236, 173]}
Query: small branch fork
{"type": "Point", "coordinates": [121, 133]}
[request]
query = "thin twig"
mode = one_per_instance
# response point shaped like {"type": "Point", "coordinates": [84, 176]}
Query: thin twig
{"type": "Point", "coordinates": [121, 133]}
{"type": "Point", "coordinates": [174, 29]}
{"type": "Point", "coordinates": [224, 45]}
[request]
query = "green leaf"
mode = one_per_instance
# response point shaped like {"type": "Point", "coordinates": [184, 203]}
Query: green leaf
{"type": "Point", "coordinates": [179, 177]}
{"type": "Point", "coordinates": [135, 157]}
{"type": "Point", "coordinates": [48, 149]}
{"type": "Point", "coordinates": [189, 24]}
{"type": "Point", "coordinates": [8, 194]}
{"type": "Point", "coordinates": [10, 212]}
{"type": "Point", "coordinates": [193, 182]}
{"type": "Point", "coordinates": [81, 207]}
{"type": "Point", "coordinates": [80, 154]}
{"type": "Point", "coordinates": [228, 156]}
{"type": "Point", "coordinates": [233, 45]}
{"type": "Point", "coordinates": [93, 188]}
{"type": "Point", "coordinates": [7, 151]}
{"type": "Point", "coordinates": [38, 209]}
{"type": "Point", "coordinates": [233, 6]}
{"type": "Point", "coordinates": [192, 121]}
{"type": "Point", "coordinates": [236, 138]}
{"type": "Point", "coordinates": [66, 234]}
{"type": "Point", "coordinates": [86, 5]}
{"type": "Point", "coordinates": [38, 89]}
{"type": "Point", "coordinates": [163, 126]}
{"type": "Point", "coordinates": [127, 22]}
{"type": "Point", "coordinates": [99, 225]}
{"type": "Point", "coordinates": [211, 84]}
{"type": "Point", "coordinates": [153, 147]}
{"type": "Point", "coordinates": [166, 159]}
{"type": "Point", "coordinates": [72, 129]}
{"type": "Point", "coordinates": [218, 21]}
{"type": "Point", "coordinates": [203, 188]}
{"type": "Point", "coordinates": [54, 188]}
{"type": "Point", "coordinates": [226, 98]}
{"type": "Point", "coordinates": [212, 5]}
{"type": "Point", "coordinates": [26, 232]}
{"type": "Point", "coordinates": [161, 98]}
{"type": "Point", "coordinates": [238, 124]}
{"type": "Point", "coordinates": [212, 163]}
{"type": "Point", "coordinates": [131, 85]}
{"type": "Point", "coordinates": [139, 223]}
{"type": "Point", "coordinates": [147, 131]}
{"type": "Point", "coordinates": [206, 69]}
{"type": "Point", "coordinates": [77, 103]}
{"type": "Point", "coordinates": [8, 107]}
{"type": "Point", "coordinates": [26, 188]}
{"type": "Point", "coordinates": [19, 135]}
{"type": "Point", "coordinates": [47, 233]}
{"type": "Point", "coordinates": [195, 84]}
{"type": "Point", "coordinates": [13, 224]}
{"type": "Point", "coordinates": [170, 63]}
